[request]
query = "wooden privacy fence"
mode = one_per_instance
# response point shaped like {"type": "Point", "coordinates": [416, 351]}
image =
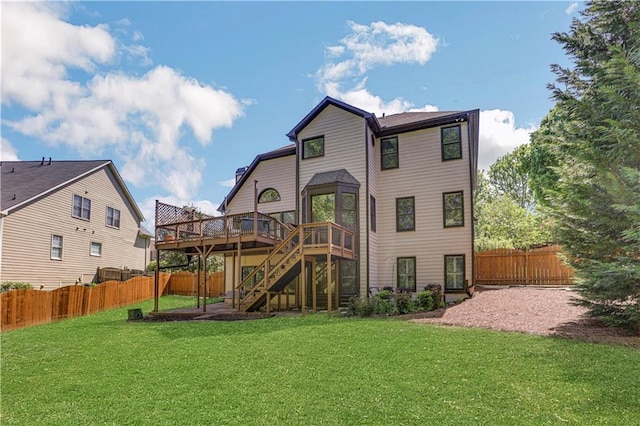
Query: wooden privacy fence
{"type": "Point", "coordinates": [23, 308]}
{"type": "Point", "coordinates": [185, 283]}
{"type": "Point", "coordinates": [540, 266]}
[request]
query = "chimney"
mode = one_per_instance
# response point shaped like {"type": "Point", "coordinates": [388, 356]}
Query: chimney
{"type": "Point", "coordinates": [240, 172]}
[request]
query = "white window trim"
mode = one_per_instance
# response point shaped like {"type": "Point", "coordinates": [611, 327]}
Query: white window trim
{"type": "Point", "coordinates": [61, 247]}
{"type": "Point", "coordinates": [97, 244]}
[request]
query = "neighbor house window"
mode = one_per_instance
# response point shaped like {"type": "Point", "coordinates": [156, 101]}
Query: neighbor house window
{"type": "Point", "coordinates": [56, 247]}
{"type": "Point", "coordinates": [81, 207]}
{"type": "Point", "coordinates": [96, 249]}
{"type": "Point", "coordinates": [453, 209]}
{"type": "Point", "coordinates": [313, 147]}
{"type": "Point", "coordinates": [451, 143]}
{"type": "Point", "coordinates": [389, 153]}
{"type": "Point", "coordinates": [113, 217]}
{"type": "Point", "coordinates": [372, 211]}
{"type": "Point", "coordinates": [269, 195]}
{"type": "Point", "coordinates": [454, 272]}
{"type": "Point", "coordinates": [407, 273]}
{"type": "Point", "coordinates": [405, 214]}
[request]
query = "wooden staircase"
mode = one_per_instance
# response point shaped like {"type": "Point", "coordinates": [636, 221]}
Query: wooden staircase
{"type": "Point", "coordinates": [284, 263]}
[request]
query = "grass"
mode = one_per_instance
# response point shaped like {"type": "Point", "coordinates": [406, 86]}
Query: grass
{"type": "Point", "coordinates": [306, 370]}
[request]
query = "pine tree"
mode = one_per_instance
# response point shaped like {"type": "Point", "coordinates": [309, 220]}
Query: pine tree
{"type": "Point", "coordinates": [592, 148]}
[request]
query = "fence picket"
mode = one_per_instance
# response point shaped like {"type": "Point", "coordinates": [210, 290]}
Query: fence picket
{"type": "Point", "coordinates": [516, 267]}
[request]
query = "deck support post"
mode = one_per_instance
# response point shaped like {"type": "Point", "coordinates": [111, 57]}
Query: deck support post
{"type": "Point", "coordinates": [329, 296]}
{"type": "Point", "coordinates": [314, 285]}
{"type": "Point", "coordinates": [233, 279]}
{"type": "Point", "coordinates": [303, 286]}
{"type": "Point", "coordinates": [198, 284]}
{"type": "Point", "coordinates": [156, 283]}
{"type": "Point", "coordinates": [236, 284]}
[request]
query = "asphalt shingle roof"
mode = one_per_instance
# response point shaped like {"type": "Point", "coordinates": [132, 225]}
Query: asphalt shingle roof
{"type": "Point", "coordinates": [334, 176]}
{"type": "Point", "coordinates": [23, 180]}
{"type": "Point", "coordinates": [411, 117]}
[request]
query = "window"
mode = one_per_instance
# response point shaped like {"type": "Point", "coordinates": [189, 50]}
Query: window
{"type": "Point", "coordinates": [389, 153]}
{"type": "Point", "coordinates": [453, 209]}
{"type": "Point", "coordinates": [289, 217]}
{"type": "Point", "coordinates": [56, 247]}
{"type": "Point", "coordinates": [349, 209]}
{"type": "Point", "coordinates": [451, 143]}
{"type": "Point", "coordinates": [96, 249]}
{"type": "Point", "coordinates": [81, 207]}
{"type": "Point", "coordinates": [454, 272]}
{"type": "Point", "coordinates": [372, 212]}
{"type": "Point", "coordinates": [405, 214]}
{"type": "Point", "coordinates": [269, 195]}
{"type": "Point", "coordinates": [113, 217]}
{"type": "Point", "coordinates": [313, 147]}
{"type": "Point", "coordinates": [407, 273]}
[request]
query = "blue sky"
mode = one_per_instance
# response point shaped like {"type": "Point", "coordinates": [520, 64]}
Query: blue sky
{"type": "Point", "coordinates": [180, 94]}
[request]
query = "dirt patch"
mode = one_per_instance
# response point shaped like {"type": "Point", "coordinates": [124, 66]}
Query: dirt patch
{"type": "Point", "coordinates": [543, 311]}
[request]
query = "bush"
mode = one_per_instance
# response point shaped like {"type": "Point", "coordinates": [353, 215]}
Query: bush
{"type": "Point", "coordinates": [436, 291]}
{"type": "Point", "coordinates": [425, 300]}
{"type": "Point", "coordinates": [404, 304]}
{"type": "Point", "coordinates": [11, 285]}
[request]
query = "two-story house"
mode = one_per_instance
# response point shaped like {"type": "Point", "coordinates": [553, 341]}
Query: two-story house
{"type": "Point", "coordinates": [403, 183]}
{"type": "Point", "coordinates": [60, 220]}
{"type": "Point", "coordinates": [376, 202]}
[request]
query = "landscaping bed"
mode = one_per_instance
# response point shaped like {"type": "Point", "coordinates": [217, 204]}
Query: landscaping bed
{"type": "Point", "coordinates": [542, 311]}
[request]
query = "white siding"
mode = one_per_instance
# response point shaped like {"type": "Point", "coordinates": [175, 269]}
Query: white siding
{"type": "Point", "coordinates": [424, 175]}
{"type": "Point", "coordinates": [373, 191]}
{"type": "Point", "coordinates": [344, 148]}
{"type": "Point", "coordinates": [277, 173]}
{"type": "Point", "coordinates": [27, 231]}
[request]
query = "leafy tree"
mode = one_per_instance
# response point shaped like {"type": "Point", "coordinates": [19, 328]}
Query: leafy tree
{"type": "Point", "coordinates": [591, 141]}
{"type": "Point", "coordinates": [183, 263]}
{"type": "Point", "coordinates": [509, 175]}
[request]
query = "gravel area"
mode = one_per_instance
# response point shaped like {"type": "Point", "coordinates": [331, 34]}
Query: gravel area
{"type": "Point", "coordinates": [543, 311]}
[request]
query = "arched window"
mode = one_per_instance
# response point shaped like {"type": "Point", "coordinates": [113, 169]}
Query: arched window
{"type": "Point", "coordinates": [268, 195]}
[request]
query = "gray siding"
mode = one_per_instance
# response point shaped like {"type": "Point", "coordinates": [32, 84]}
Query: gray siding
{"type": "Point", "coordinates": [27, 231]}
{"type": "Point", "coordinates": [277, 173]}
{"type": "Point", "coordinates": [344, 148]}
{"type": "Point", "coordinates": [424, 175]}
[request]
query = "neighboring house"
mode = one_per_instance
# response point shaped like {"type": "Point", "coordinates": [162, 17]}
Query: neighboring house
{"type": "Point", "coordinates": [60, 220]}
{"type": "Point", "coordinates": [398, 189]}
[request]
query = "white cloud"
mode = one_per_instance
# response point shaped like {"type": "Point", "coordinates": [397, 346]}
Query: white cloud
{"type": "Point", "coordinates": [369, 46]}
{"type": "Point", "coordinates": [571, 8]}
{"type": "Point", "coordinates": [7, 151]}
{"type": "Point", "coordinates": [143, 118]}
{"type": "Point", "coordinates": [499, 136]}
{"type": "Point", "coordinates": [229, 183]}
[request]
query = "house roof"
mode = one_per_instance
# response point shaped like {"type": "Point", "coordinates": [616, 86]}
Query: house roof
{"type": "Point", "coordinates": [394, 120]}
{"type": "Point", "coordinates": [293, 134]}
{"type": "Point", "coordinates": [334, 176]}
{"type": "Point", "coordinates": [24, 181]}
{"type": "Point", "coordinates": [276, 153]}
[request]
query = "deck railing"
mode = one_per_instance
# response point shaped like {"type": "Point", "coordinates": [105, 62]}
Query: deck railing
{"type": "Point", "coordinates": [180, 224]}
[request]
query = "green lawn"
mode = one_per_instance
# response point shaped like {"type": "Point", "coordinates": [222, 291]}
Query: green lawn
{"type": "Point", "coordinates": [307, 370]}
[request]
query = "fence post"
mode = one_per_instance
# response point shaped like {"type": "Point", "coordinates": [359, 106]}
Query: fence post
{"type": "Point", "coordinates": [526, 266]}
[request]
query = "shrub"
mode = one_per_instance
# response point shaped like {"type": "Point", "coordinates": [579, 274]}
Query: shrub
{"type": "Point", "coordinates": [11, 285]}
{"type": "Point", "coordinates": [362, 307]}
{"type": "Point", "coordinates": [425, 300]}
{"type": "Point", "coordinates": [404, 304]}
{"type": "Point", "coordinates": [436, 291]}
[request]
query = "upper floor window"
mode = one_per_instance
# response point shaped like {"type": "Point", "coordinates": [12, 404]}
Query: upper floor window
{"type": "Point", "coordinates": [269, 195]}
{"type": "Point", "coordinates": [56, 247]}
{"type": "Point", "coordinates": [451, 142]}
{"type": "Point", "coordinates": [453, 209]}
{"type": "Point", "coordinates": [313, 147]}
{"type": "Point", "coordinates": [389, 153]}
{"type": "Point", "coordinates": [113, 217]}
{"type": "Point", "coordinates": [407, 273]}
{"type": "Point", "coordinates": [405, 214]}
{"type": "Point", "coordinates": [81, 207]}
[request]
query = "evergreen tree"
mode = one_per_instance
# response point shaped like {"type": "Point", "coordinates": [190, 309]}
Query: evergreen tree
{"type": "Point", "coordinates": [591, 145]}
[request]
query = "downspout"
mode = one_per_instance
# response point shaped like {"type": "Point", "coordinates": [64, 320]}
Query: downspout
{"type": "Point", "coordinates": [366, 202]}
{"type": "Point", "coordinates": [473, 231]}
